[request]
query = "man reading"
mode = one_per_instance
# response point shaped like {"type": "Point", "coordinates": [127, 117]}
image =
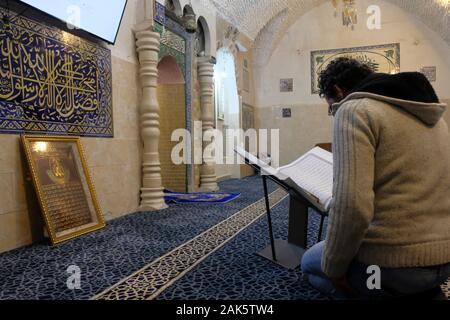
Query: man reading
{"type": "Point", "coordinates": [391, 189]}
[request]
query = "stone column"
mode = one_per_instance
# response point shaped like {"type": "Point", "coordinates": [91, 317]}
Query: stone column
{"type": "Point", "coordinates": [208, 179]}
{"type": "Point", "coordinates": [152, 196]}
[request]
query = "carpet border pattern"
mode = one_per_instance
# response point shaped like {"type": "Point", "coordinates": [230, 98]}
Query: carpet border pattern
{"type": "Point", "coordinates": [150, 281]}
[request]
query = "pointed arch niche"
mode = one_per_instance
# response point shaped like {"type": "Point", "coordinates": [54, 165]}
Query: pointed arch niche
{"type": "Point", "coordinates": [202, 45]}
{"type": "Point", "coordinates": [174, 71]}
{"type": "Point", "coordinates": [171, 93]}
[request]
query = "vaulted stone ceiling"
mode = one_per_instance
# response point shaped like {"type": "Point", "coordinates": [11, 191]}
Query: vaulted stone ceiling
{"type": "Point", "coordinates": [265, 21]}
{"type": "Point", "coordinates": [251, 16]}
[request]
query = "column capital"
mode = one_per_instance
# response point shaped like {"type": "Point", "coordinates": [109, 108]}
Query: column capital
{"type": "Point", "coordinates": [147, 40]}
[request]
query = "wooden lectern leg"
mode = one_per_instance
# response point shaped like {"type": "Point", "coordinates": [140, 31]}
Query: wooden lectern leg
{"type": "Point", "coordinates": [298, 222]}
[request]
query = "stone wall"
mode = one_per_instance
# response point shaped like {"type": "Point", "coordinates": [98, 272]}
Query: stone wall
{"type": "Point", "coordinates": [310, 123]}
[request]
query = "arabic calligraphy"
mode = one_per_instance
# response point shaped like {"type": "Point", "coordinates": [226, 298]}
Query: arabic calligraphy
{"type": "Point", "coordinates": [380, 58]}
{"type": "Point", "coordinates": [50, 77]}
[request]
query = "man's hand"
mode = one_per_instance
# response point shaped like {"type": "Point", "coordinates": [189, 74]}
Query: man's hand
{"type": "Point", "coordinates": [342, 285]}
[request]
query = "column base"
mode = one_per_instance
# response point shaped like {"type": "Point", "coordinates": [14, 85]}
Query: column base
{"type": "Point", "coordinates": [209, 188]}
{"type": "Point", "coordinates": [152, 200]}
{"type": "Point", "coordinates": [152, 207]}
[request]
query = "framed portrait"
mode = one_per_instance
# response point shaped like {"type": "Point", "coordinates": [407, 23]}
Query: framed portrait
{"type": "Point", "coordinates": [63, 186]}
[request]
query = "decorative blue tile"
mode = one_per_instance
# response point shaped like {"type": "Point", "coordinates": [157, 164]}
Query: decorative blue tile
{"type": "Point", "coordinates": [52, 81]}
{"type": "Point", "coordinates": [160, 13]}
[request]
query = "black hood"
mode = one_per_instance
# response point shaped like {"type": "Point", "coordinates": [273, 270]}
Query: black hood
{"type": "Point", "coordinates": [410, 86]}
{"type": "Point", "coordinates": [410, 91]}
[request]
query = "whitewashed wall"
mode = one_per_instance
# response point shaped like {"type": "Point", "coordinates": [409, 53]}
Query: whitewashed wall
{"type": "Point", "coordinates": [318, 29]}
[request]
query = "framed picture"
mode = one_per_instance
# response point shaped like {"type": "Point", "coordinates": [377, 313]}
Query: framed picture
{"type": "Point", "coordinates": [430, 73]}
{"type": "Point", "coordinates": [63, 185]}
{"type": "Point", "coordinates": [286, 85]}
{"type": "Point", "coordinates": [383, 58]}
{"type": "Point", "coordinates": [286, 112]}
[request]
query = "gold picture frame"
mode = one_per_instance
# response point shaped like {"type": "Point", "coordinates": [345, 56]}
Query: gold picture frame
{"type": "Point", "coordinates": [63, 186]}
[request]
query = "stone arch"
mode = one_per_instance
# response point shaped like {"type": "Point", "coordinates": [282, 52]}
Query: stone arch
{"type": "Point", "coordinates": [203, 24]}
{"type": "Point", "coordinates": [169, 72]}
{"type": "Point", "coordinates": [267, 39]}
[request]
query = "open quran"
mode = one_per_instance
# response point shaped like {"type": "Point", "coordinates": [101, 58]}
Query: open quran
{"type": "Point", "coordinates": [311, 174]}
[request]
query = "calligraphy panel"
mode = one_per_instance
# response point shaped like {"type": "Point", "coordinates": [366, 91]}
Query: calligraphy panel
{"type": "Point", "coordinates": [172, 45]}
{"type": "Point", "coordinates": [381, 58]}
{"type": "Point", "coordinates": [52, 81]}
{"type": "Point", "coordinates": [63, 185]}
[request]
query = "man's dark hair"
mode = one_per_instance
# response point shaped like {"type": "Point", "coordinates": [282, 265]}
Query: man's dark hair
{"type": "Point", "coordinates": [346, 73]}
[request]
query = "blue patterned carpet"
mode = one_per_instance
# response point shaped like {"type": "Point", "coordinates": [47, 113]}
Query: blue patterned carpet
{"type": "Point", "coordinates": [235, 272]}
{"type": "Point", "coordinates": [127, 244]}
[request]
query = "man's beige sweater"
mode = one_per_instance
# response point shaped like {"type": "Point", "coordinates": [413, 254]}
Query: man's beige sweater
{"type": "Point", "coordinates": [391, 194]}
